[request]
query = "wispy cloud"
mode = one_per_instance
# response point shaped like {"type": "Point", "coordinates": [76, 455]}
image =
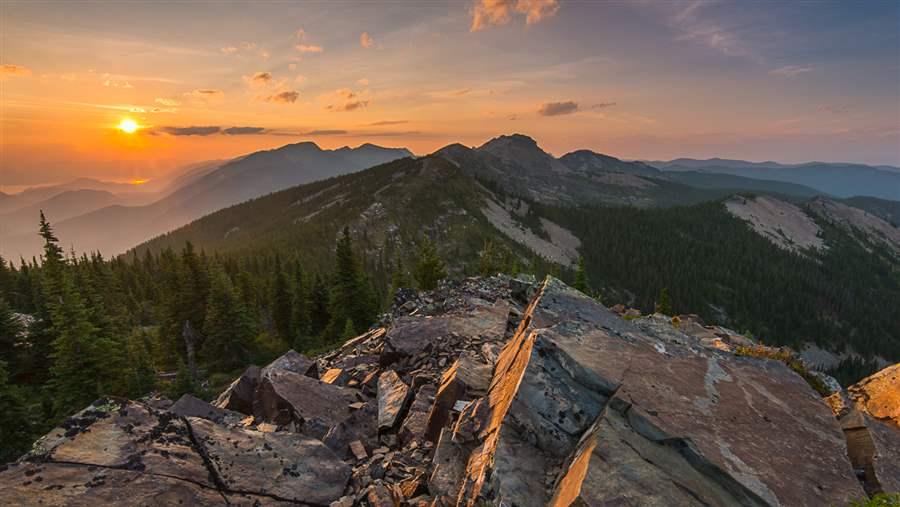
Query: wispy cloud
{"type": "Point", "coordinates": [208, 130]}
{"type": "Point", "coordinates": [10, 70]}
{"type": "Point", "coordinates": [303, 44]}
{"type": "Point", "coordinates": [557, 108]}
{"type": "Point", "coordinates": [243, 131]}
{"type": "Point", "coordinates": [486, 13]}
{"type": "Point", "coordinates": [190, 131]}
{"type": "Point", "coordinates": [366, 40]}
{"type": "Point", "coordinates": [308, 48]}
{"type": "Point", "coordinates": [258, 79]}
{"type": "Point", "coordinates": [326, 132]}
{"type": "Point", "coordinates": [167, 102]}
{"type": "Point", "coordinates": [790, 71]}
{"type": "Point", "coordinates": [344, 99]}
{"type": "Point", "coordinates": [603, 105]}
{"type": "Point", "coordinates": [387, 122]}
{"type": "Point", "coordinates": [285, 97]}
{"type": "Point", "coordinates": [206, 94]}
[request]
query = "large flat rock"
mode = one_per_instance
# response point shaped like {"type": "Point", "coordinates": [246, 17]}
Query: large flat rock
{"type": "Point", "coordinates": [576, 381]}
{"type": "Point", "coordinates": [285, 466]}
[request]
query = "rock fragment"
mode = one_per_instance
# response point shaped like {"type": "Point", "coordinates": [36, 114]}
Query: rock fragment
{"type": "Point", "coordinates": [393, 394]}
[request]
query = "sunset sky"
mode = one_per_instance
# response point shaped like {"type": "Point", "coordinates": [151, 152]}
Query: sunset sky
{"type": "Point", "coordinates": [785, 81]}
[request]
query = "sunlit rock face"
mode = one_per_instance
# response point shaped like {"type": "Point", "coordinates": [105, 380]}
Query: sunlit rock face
{"type": "Point", "coordinates": [869, 413]}
{"type": "Point", "coordinates": [486, 391]}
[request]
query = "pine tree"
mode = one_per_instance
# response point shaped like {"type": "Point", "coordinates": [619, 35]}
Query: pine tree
{"type": "Point", "coordinates": [15, 423]}
{"type": "Point", "coordinates": [281, 303]}
{"type": "Point", "coordinates": [399, 279]}
{"type": "Point", "coordinates": [664, 305]}
{"type": "Point", "coordinates": [299, 311]}
{"type": "Point", "coordinates": [581, 277]}
{"type": "Point", "coordinates": [319, 316]}
{"type": "Point", "coordinates": [430, 269]}
{"type": "Point", "coordinates": [351, 296]}
{"type": "Point", "coordinates": [141, 374]}
{"type": "Point", "coordinates": [76, 373]}
{"type": "Point", "coordinates": [349, 330]}
{"type": "Point", "coordinates": [10, 330]}
{"type": "Point", "coordinates": [227, 327]}
{"type": "Point", "coordinates": [183, 383]}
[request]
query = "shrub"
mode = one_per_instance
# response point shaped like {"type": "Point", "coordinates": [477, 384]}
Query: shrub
{"type": "Point", "coordinates": [788, 358]}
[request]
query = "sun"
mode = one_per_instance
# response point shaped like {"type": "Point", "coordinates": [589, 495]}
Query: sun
{"type": "Point", "coordinates": [128, 126]}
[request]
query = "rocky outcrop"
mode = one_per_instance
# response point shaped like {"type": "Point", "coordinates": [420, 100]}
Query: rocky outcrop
{"type": "Point", "coordinates": [690, 422]}
{"type": "Point", "coordinates": [466, 396]}
{"type": "Point", "coordinates": [869, 413]}
{"type": "Point", "coordinates": [122, 452]}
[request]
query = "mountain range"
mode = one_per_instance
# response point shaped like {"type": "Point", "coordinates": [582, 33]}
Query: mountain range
{"type": "Point", "coordinates": [200, 190]}
{"type": "Point", "coordinates": [85, 211]}
{"type": "Point", "coordinates": [781, 266]}
{"type": "Point", "coordinates": [837, 179]}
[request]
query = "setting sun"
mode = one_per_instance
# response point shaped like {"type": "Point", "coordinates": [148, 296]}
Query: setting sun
{"type": "Point", "coordinates": [128, 126]}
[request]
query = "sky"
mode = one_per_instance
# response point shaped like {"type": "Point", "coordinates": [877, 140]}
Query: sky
{"type": "Point", "coordinates": [653, 80]}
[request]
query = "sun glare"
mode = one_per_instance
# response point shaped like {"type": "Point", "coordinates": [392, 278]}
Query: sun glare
{"type": "Point", "coordinates": [128, 126]}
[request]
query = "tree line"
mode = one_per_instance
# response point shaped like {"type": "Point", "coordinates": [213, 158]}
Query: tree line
{"type": "Point", "coordinates": [73, 328]}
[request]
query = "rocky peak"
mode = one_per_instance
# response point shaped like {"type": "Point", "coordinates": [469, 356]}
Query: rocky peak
{"type": "Point", "coordinates": [486, 391]}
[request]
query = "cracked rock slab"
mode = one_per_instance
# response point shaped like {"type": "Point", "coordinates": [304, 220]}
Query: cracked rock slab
{"type": "Point", "coordinates": [284, 466]}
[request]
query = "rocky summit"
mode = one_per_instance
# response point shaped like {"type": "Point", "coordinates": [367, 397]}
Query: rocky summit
{"type": "Point", "coordinates": [488, 391]}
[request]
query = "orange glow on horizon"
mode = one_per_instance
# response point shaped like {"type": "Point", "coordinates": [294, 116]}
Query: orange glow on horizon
{"type": "Point", "coordinates": [139, 181]}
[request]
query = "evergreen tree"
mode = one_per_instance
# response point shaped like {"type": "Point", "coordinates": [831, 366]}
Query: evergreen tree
{"type": "Point", "coordinates": [664, 305]}
{"type": "Point", "coordinates": [319, 316]}
{"type": "Point", "coordinates": [299, 311]}
{"type": "Point", "coordinates": [142, 374]}
{"type": "Point", "coordinates": [10, 330]}
{"type": "Point", "coordinates": [351, 297]}
{"type": "Point", "coordinates": [183, 383]}
{"type": "Point", "coordinates": [227, 327]}
{"type": "Point", "coordinates": [15, 423]}
{"type": "Point", "coordinates": [349, 330]}
{"type": "Point", "coordinates": [281, 303]}
{"type": "Point", "coordinates": [77, 355]}
{"type": "Point", "coordinates": [430, 268]}
{"type": "Point", "coordinates": [581, 277]}
{"type": "Point", "coordinates": [399, 278]}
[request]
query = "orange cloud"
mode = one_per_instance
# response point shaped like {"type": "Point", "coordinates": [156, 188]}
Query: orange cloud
{"type": "Point", "coordinates": [308, 48]}
{"type": "Point", "coordinates": [486, 13]}
{"type": "Point", "coordinates": [365, 40]}
{"type": "Point", "coordinates": [344, 100]}
{"type": "Point", "coordinates": [10, 70]}
{"type": "Point", "coordinates": [285, 97]}
{"type": "Point", "coordinates": [557, 108]}
{"type": "Point", "coordinates": [259, 79]}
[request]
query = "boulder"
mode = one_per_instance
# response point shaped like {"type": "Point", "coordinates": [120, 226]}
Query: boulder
{"type": "Point", "coordinates": [467, 378]}
{"type": "Point", "coordinates": [292, 361]}
{"type": "Point", "coordinates": [361, 425]}
{"type": "Point", "coordinates": [284, 466]}
{"type": "Point", "coordinates": [870, 417]}
{"type": "Point", "coordinates": [879, 395]}
{"type": "Point", "coordinates": [607, 412]}
{"type": "Point", "coordinates": [416, 421]}
{"type": "Point", "coordinates": [285, 396]}
{"type": "Point", "coordinates": [239, 395]}
{"type": "Point", "coordinates": [393, 394]}
{"type": "Point", "coordinates": [191, 406]}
